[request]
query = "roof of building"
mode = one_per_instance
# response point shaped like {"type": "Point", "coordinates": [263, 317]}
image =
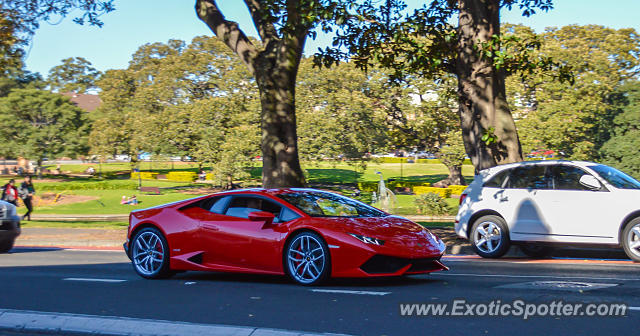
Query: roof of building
{"type": "Point", "coordinates": [87, 102]}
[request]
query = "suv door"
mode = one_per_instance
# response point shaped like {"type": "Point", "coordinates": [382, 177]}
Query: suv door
{"type": "Point", "coordinates": [572, 211]}
{"type": "Point", "coordinates": [518, 202]}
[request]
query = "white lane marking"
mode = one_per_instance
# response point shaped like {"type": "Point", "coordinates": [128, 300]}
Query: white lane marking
{"type": "Point", "coordinates": [343, 291]}
{"type": "Point", "coordinates": [634, 308]}
{"type": "Point", "coordinates": [94, 280]}
{"type": "Point", "coordinates": [532, 276]}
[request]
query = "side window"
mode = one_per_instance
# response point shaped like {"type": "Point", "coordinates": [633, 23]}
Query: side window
{"type": "Point", "coordinates": [529, 177]}
{"type": "Point", "coordinates": [219, 205]}
{"type": "Point", "coordinates": [243, 206]}
{"type": "Point", "coordinates": [497, 181]}
{"type": "Point", "coordinates": [288, 215]}
{"type": "Point", "coordinates": [568, 178]}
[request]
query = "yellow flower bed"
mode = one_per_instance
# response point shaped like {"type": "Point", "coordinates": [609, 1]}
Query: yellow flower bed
{"type": "Point", "coordinates": [443, 192]}
{"type": "Point", "coordinates": [143, 175]}
{"type": "Point", "coordinates": [456, 189]}
{"type": "Point", "coordinates": [182, 176]}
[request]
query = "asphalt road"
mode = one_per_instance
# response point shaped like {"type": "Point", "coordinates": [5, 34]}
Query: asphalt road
{"type": "Point", "coordinates": [103, 283]}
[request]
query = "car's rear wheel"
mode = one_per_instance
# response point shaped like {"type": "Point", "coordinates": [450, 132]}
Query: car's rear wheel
{"type": "Point", "coordinates": [6, 245]}
{"type": "Point", "coordinates": [150, 254]}
{"type": "Point", "coordinates": [631, 239]}
{"type": "Point", "coordinates": [536, 251]}
{"type": "Point", "coordinates": [490, 236]}
{"type": "Point", "coordinates": [306, 259]}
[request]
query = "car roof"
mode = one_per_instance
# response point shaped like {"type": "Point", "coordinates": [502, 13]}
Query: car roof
{"type": "Point", "coordinates": [493, 170]}
{"type": "Point", "coordinates": [272, 191]}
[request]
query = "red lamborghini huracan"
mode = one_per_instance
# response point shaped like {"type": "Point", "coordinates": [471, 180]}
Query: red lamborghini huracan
{"type": "Point", "coordinates": [307, 234]}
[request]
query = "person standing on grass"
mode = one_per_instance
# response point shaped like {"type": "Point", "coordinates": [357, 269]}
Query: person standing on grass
{"type": "Point", "coordinates": [10, 193]}
{"type": "Point", "coordinates": [26, 193]}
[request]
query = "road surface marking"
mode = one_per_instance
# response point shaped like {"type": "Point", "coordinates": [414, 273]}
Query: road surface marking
{"type": "Point", "coordinates": [532, 276]}
{"type": "Point", "coordinates": [343, 291]}
{"type": "Point", "coordinates": [94, 280]}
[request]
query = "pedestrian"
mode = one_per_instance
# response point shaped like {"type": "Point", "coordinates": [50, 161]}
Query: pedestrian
{"type": "Point", "coordinates": [26, 193]}
{"type": "Point", "coordinates": [10, 193]}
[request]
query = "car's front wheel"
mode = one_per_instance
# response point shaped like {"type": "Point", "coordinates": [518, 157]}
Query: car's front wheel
{"type": "Point", "coordinates": [306, 259]}
{"type": "Point", "coordinates": [490, 236]}
{"type": "Point", "coordinates": [150, 254]}
{"type": "Point", "coordinates": [6, 245]}
{"type": "Point", "coordinates": [631, 239]}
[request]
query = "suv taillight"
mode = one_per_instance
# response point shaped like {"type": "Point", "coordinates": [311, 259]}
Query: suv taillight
{"type": "Point", "coordinates": [462, 197]}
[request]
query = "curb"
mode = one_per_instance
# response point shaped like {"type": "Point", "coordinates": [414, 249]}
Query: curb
{"type": "Point", "coordinates": [24, 320]}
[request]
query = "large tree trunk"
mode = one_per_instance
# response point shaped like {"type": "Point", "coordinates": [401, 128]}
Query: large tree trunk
{"type": "Point", "coordinates": [275, 68]}
{"type": "Point", "coordinates": [280, 162]}
{"type": "Point", "coordinates": [482, 98]}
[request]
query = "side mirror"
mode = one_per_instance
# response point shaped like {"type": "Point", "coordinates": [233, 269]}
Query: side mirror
{"type": "Point", "coordinates": [262, 216]}
{"type": "Point", "coordinates": [590, 182]}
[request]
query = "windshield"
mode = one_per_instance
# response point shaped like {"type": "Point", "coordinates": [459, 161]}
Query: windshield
{"type": "Point", "coordinates": [615, 177]}
{"type": "Point", "coordinates": [323, 204]}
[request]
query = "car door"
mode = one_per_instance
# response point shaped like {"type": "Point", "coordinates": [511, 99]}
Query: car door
{"type": "Point", "coordinates": [518, 202]}
{"type": "Point", "coordinates": [572, 211]}
{"type": "Point", "coordinates": [237, 243]}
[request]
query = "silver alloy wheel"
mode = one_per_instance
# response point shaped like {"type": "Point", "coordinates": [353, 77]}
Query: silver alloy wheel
{"type": "Point", "coordinates": [306, 259]}
{"type": "Point", "coordinates": [487, 237]}
{"type": "Point", "coordinates": [148, 253]}
{"type": "Point", "coordinates": [633, 240]}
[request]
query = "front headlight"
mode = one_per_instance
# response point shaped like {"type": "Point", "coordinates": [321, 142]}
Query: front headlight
{"type": "Point", "coordinates": [367, 240]}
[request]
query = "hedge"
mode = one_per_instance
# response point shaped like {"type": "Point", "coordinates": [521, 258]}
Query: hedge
{"type": "Point", "coordinates": [182, 176]}
{"type": "Point", "coordinates": [443, 192]}
{"type": "Point", "coordinates": [387, 159]}
{"type": "Point", "coordinates": [89, 186]}
{"type": "Point", "coordinates": [144, 175]}
{"type": "Point", "coordinates": [456, 189]}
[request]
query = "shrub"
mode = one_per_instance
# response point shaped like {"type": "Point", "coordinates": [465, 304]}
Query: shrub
{"type": "Point", "coordinates": [144, 175]}
{"type": "Point", "coordinates": [432, 204]}
{"type": "Point", "coordinates": [456, 189]}
{"type": "Point", "coordinates": [182, 176]}
{"type": "Point", "coordinates": [387, 159]}
{"type": "Point", "coordinates": [442, 192]}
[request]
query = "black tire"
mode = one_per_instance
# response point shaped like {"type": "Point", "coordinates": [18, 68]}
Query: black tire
{"type": "Point", "coordinates": [631, 239]}
{"type": "Point", "coordinates": [6, 245]}
{"type": "Point", "coordinates": [536, 251]}
{"type": "Point", "coordinates": [298, 261]}
{"type": "Point", "coordinates": [496, 242]}
{"type": "Point", "coordinates": [150, 254]}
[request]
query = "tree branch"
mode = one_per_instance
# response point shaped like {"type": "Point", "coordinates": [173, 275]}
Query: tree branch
{"type": "Point", "coordinates": [228, 31]}
{"type": "Point", "coordinates": [263, 20]}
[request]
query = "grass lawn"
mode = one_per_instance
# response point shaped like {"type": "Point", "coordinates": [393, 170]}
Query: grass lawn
{"type": "Point", "coordinates": [108, 202]}
{"type": "Point", "coordinates": [405, 205]}
{"type": "Point", "coordinates": [74, 224]}
{"type": "Point", "coordinates": [436, 224]}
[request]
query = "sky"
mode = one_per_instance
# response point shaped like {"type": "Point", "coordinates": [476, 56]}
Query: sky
{"type": "Point", "coordinates": [137, 22]}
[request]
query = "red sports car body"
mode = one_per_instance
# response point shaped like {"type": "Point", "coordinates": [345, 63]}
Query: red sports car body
{"type": "Point", "coordinates": [307, 234]}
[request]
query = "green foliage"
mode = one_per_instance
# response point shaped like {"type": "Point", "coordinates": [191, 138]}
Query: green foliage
{"type": "Point", "coordinates": [432, 204]}
{"type": "Point", "coordinates": [75, 74]}
{"type": "Point", "coordinates": [39, 123]}
{"type": "Point", "coordinates": [621, 150]}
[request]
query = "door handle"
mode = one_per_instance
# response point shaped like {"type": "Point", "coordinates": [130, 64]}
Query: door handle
{"type": "Point", "coordinates": [210, 227]}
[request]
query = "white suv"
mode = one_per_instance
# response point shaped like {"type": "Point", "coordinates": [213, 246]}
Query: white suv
{"type": "Point", "coordinates": [539, 204]}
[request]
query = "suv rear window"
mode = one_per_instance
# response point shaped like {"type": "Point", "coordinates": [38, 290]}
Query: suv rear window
{"type": "Point", "coordinates": [497, 181]}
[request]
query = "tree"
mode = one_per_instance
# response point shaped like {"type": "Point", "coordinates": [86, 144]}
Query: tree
{"type": "Point", "coordinates": [621, 151]}
{"type": "Point", "coordinates": [425, 43]}
{"type": "Point", "coordinates": [283, 27]}
{"type": "Point", "coordinates": [40, 124]}
{"type": "Point", "coordinates": [75, 74]}
{"type": "Point", "coordinates": [574, 120]}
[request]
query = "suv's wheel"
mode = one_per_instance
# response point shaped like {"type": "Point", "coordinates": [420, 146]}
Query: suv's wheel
{"type": "Point", "coordinates": [150, 254]}
{"type": "Point", "coordinates": [306, 259]}
{"type": "Point", "coordinates": [6, 245]}
{"type": "Point", "coordinates": [535, 251]}
{"type": "Point", "coordinates": [490, 236]}
{"type": "Point", "coordinates": [631, 239]}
